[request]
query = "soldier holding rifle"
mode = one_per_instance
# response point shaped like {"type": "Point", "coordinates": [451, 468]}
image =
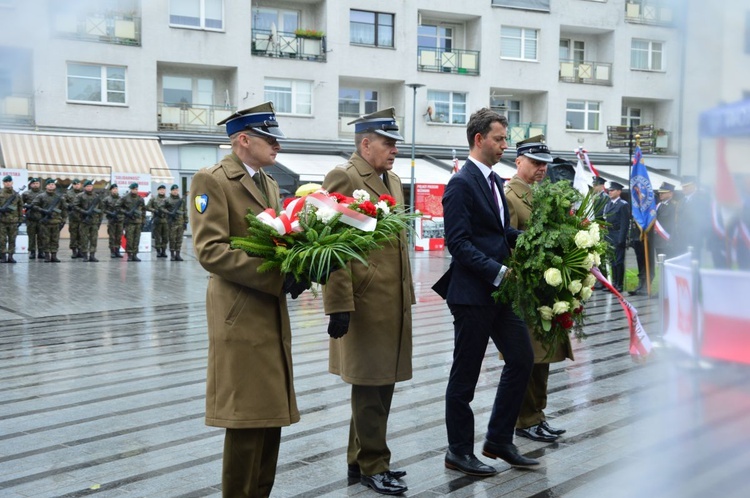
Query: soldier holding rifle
{"type": "Point", "coordinates": [54, 211]}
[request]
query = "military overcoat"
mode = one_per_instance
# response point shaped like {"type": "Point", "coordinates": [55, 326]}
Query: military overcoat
{"type": "Point", "coordinates": [519, 196]}
{"type": "Point", "coordinates": [377, 349]}
{"type": "Point", "coordinates": [249, 380]}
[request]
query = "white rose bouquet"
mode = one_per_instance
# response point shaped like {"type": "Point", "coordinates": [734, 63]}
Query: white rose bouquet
{"type": "Point", "coordinates": [550, 278]}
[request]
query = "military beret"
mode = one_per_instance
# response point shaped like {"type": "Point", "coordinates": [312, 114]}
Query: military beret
{"type": "Point", "coordinates": [133, 185]}
{"type": "Point", "coordinates": [49, 180]}
{"type": "Point", "coordinates": [8, 178]}
{"type": "Point", "coordinates": [114, 185]}
{"type": "Point", "coordinates": [174, 187]}
{"type": "Point", "coordinates": [161, 187]}
{"type": "Point", "coordinates": [76, 181]}
{"type": "Point", "coordinates": [32, 180]}
{"type": "Point", "coordinates": [87, 183]}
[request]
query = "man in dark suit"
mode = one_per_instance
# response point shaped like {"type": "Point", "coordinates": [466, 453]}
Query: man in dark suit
{"type": "Point", "coordinates": [600, 201]}
{"type": "Point", "coordinates": [617, 214]}
{"type": "Point", "coordinates": [666, 216]}
{"type": "Point", "coordinates": [479, 237]}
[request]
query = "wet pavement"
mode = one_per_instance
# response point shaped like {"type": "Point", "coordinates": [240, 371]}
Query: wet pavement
{"type": "Point", "coordinates": [103, 379]}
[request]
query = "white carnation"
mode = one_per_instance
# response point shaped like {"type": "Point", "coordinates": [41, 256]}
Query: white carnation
{"type": "Point", "coordinates": [583, 239]}
{"type": "Point", "coordinates": [597, 259]}
{"type": "Point", "coordinates": [594, 232]}
{"type": "Point", "coordinates": [553, 277]}
{"type": "Point", "coordinates": [560, 307]}
{"type": "Point", "coordinates": [586, 293]}
{"type": "Point", "coordinates": [575, 286]}
{"type": "Point", "coordinates": [361, 195]}
{"type": "Point", "coordinates": [575, 304]}
{"type": "Point", "coordinates": [383, 206]}
{"type": "Point", "coordinates": [588, 261]}
{"type": "Point", "coordinates": [545, 312]}
{"type": "Point", "coordinates": [325, 214]}
{"type": "Point", "coordinates": [589, 281]}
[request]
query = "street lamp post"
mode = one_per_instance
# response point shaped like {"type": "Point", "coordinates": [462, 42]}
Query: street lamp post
{"type": "Point", "coordinates": [414, 87]}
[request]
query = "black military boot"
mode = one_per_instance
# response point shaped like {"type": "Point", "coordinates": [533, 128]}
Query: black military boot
{"type": "Point", "coordinates": [73, 253]}
{"type": "Point", "coordinates": [164, 252]}
{"type": "Point", "coordinates": [85, 256]}
{"type": "Point", "coordinates": [47, 257]}
{"type": "Point", "coordinates": [177, 256]}
{"type": "Point", "coordinates": [112, 253]}
{"type": "Point", "coordinates": [53, 258]}
{"type": "Point", "coordinates": [3, 258]}
{"type": "Point", "coordinates": [10, 259]}
{"type": "Point", "coordinates": [135, 257]}
{"type": "Point", "coordinates": [92, 257]}
{"type": "Point", "coordinates": [118, 254]}
{"type": "Point", "coordinates": [171, 255]}
{"type": "Point", "coordinates": [130, 257]}
{"type": "Point", "coordinates": [32, 255]}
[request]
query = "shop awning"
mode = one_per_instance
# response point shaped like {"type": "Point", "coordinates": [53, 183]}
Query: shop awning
{"type": "Point", "coordinates": [84, 156]}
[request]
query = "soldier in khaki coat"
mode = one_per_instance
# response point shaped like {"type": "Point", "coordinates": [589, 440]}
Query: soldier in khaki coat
{"type": "Point", "coordinates": [373, 303]}
{"type": "Point", "coordinates": [533, 157]}
{"type": "Point", "coordinates": [249, 385]}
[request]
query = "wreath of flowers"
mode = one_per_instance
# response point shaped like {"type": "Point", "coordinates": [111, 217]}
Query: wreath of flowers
{"type": "Point", "coordinates": [550, 268]}
{"type": "Point", "coordinates": [320, 232]}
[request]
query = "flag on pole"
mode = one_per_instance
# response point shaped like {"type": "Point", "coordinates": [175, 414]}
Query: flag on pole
{"type": "Point", "coordinates": [580, 183]}
{"type": "Point", "coordinates": [455, 162]}
{"type": "Point", "coordinates": [643, 201]}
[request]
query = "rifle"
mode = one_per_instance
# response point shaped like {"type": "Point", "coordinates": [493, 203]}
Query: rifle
{"type": "Point", "coordinates": [52, 209]}
{"type": "Point", "coordinates": [111, 215]}
{"type": "Point", "coordinates": [86, 215]}
{"type": "Point", "coordinates": [131, 214]}
{"type": "Point", "coordinates": [5, 208]}
{"type": "Point", "coordinates": [173, 214]}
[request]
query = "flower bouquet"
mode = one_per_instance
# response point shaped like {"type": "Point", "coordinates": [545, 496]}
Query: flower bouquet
{"type": "Point", "coordinates": [320, 232]}
{"type": "Point", "coordinates": [550, 268]}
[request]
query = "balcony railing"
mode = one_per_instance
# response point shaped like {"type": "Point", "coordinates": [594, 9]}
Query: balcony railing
{"type": "Point", "coordinates": [17, 110]}
{"type": "Point", "coordinates": [456, 61]}
{"type": "Point", "coordinates": [522, 131]}
{"type": "Point", "coordinates": [107, 28]}
{"type": "Point", "coordinates": [192, 117]}
{"type": "Point", "coordinates": [588, 72]}
{"type": "Point", "coordinates": [649, 13]}
{"type": "Point", "coordinates": [288, 45]}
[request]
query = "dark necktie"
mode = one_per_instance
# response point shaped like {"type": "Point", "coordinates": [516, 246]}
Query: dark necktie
{"type": "Point", "coordinates": [494, 192]}
{"type": "Point", "coordinates": [261, 187]}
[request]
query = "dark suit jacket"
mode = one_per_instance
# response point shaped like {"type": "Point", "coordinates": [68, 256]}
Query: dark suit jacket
{"type": "Point", "coordinates": [618, 217]}
{"type": "Point", "coordinates": [476, 239]}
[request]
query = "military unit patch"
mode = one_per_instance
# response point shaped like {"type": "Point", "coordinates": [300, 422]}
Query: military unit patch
{"type": "Point", "coordinates": [201, 203]}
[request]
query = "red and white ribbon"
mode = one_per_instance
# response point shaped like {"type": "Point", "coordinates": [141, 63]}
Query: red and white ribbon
{"type": "Point", "coordinates": [583, 155]}
{"type": "Point", "coordinates": [348, 216]}
{"type": "Point", "coordinates": [661, 231]}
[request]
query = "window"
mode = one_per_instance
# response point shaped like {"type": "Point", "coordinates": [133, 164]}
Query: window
{"type": "Point", "coordinates": [290, 96]}
{"type": "Point", "coordinates": [572, 50]}
{"type": "Point", "coordinates": [91, 83]}
{"type": "Point", "coordinates": [435, 37]}
{"type": "Point", "coordinates": [647, 55]}
{"type": "Point", "coordinates": [631, 116]}
{"type": "Point", "coordinates": [202, 14]}
{"type": "Point", "coordinates": [448, 107]}
{"type": "Point", "coordinates": [582, 115]}
{"type": "Point", "coordinates": [355, 102]}
{"type": "Point", "coordinates": [518, 43]}
{"type": "Point", "coordinates": [187, 91]}
{"type": "Point", "coordinates": [514, 112]}
{"type": "Point", "coordinates": [370, 28]}
{"type": "Point", "coordinates": [286, 21]}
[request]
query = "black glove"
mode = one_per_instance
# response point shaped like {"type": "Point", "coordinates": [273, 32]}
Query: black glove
{"type": "Point", "coordinates": [294, 288]}
{"type": "Point", "coordinates": [324, 278]}
{"type": "Point", "coordinates": [62, 224]}
{"type": "Point", "coordinates": [338, 325]}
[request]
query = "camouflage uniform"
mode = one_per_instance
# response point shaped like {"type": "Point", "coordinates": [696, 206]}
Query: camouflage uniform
{"type": "Point", "coordinates": [10, 217]}
{"type": "Point", "coordinates": [132, 204]}
{"type": "Point", "coordinates": [159, 228]}
{"type": "Point", "coordinates": [88, 202]}
{"type": "Point", "coordinates": [111, 208]}
{"type": "Point", "coordinates": [51, 222]}
{"type": "Point", "coordinates": [32, 221]}
{"type": "Point", "coordinates": [74, 221]}
{"type": "Point", "coordinates": [175, 208]}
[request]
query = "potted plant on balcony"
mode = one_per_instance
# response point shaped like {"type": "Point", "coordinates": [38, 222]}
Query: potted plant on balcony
{"type": "Point", "coordinates": [309, 33]}
{"type": "Point", "coordinates": [312, 41]}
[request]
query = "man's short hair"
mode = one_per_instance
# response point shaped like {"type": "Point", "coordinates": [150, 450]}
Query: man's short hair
{"type": "Point", "coordinates": [361, 136]}
{"type": "Point", "coordinates": [481, 122]}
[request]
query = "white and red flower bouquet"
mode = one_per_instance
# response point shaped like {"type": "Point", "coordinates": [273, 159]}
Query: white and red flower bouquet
{"type": "Point", "coordinates": [322, 231]}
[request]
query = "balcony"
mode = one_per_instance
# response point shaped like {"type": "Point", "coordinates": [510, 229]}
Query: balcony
{"type": "Point", "coordinates": [117, 28]}
{"type": "Point", "coordinates": [455, 61]}
{"type": "Point", "coordinates": [192, 117]}
{"type": "Point", "coordinates": [17, 110]}
{"type": "Point", "coordinates": [289, 45]}
{"type": "Point", "coordinates": [654, 13]}
{"type": "Point", "coordinates": [587, 72]}
{"type": "Point", "coordinates": [522, 131]}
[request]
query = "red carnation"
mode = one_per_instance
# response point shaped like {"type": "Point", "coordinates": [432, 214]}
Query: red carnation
{"type": "Point", "coordinates": [368, 208]}
{"type": "Point", "coordinates": [339, 197]}
{"type": "Point", "coordinates": [565, 320]}
{"type": "Point", "coordinates": [585, 222]}
{"type": "Point", "coordinates": [388, 199]}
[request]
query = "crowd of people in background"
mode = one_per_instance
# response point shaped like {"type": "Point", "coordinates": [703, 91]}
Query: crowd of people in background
{"type": "Point", "coordinates": [46, 211]}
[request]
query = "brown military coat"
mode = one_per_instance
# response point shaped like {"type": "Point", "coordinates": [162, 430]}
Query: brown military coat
{"type": "Point", "coordinates": [518, 194]}
{"type": "Point", "coordinates": [249, 381]}
{"type": "Point", "coordinates": [377, 349]}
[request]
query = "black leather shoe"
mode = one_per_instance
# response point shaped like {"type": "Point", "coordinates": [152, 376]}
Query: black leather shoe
{"type": "Point", "coordinates": [384, 484]}
{"type": "Point", "coordinates": [509, 453]}
{"type": "Point", "coordinates": [354, 472]}
{"type": "Point", "coordinates": [544, 425]}
{"type": "Point", "coordinates": [536, 433]}
{"type": "Point", "coordinates": [468, 464]}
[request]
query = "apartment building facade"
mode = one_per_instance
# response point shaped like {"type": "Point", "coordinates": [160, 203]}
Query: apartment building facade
{"type": "Point", "coordinates": [165, 71]}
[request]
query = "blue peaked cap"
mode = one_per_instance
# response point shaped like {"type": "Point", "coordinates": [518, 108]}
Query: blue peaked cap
{"type": "Point", "coordinates": [260, 119]}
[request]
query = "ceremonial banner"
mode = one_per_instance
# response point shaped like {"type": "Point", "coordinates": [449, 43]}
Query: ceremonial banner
{"type": "Point", "coordinates": [678, 304]}
{"type": "Point", "coordinates": [643, 202]}
{"type": "Point", "coordinates": [428, 199]}
{"type": "Point", "coordinates": [726, 315]}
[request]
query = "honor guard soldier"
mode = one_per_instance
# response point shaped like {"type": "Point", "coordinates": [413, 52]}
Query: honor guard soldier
{"type": "Point", "coordinates": [252, 340]}
{"type": "Point", "coordinates": [617, 214]}
{"type": "Point", "coordinates": [111, 209]}
{"type": "Point", "coordinates": [11, 213]}
{"type": "Point", "coordinates": [174, 208]}
{"type": "Point", "coordinates": [666, 217]}
{"type": "Point", "coordinates": [54, 212]}
{"type": "Point", "coordinates": [74, 218]}
{"type": "Point", "coordinates": [32, 217]}
{"type": "Point", "coordinates": [159, 226]}
{"type": "Point", "coordinates": [88, 205]}
{"type": "Point", "coordinates": [134, 211]}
